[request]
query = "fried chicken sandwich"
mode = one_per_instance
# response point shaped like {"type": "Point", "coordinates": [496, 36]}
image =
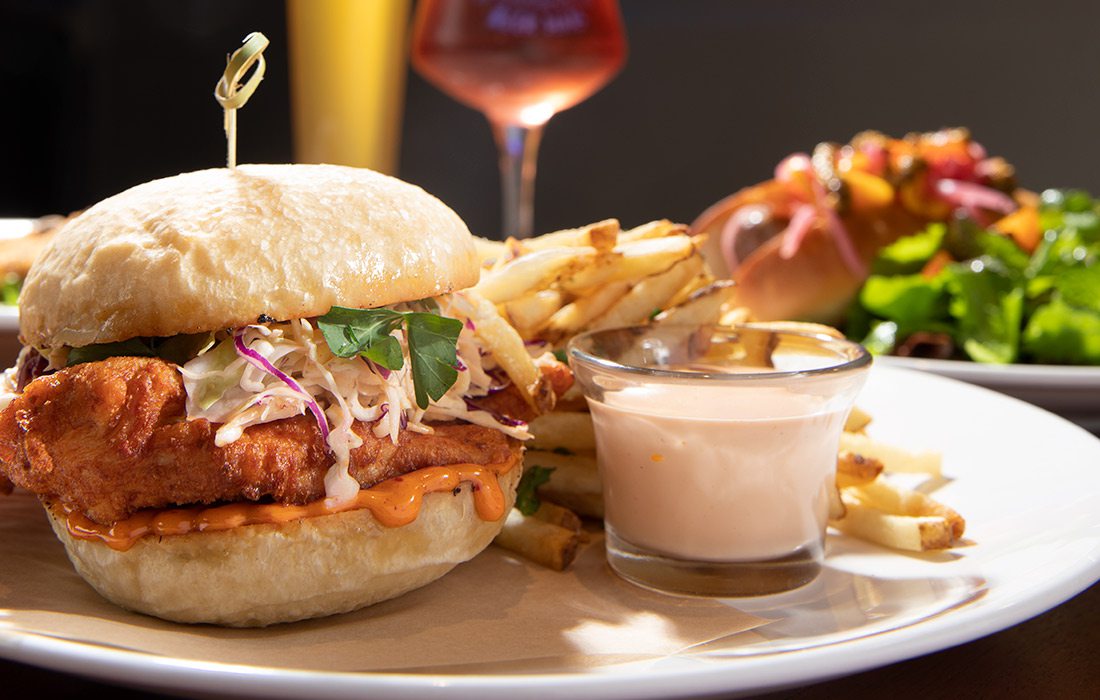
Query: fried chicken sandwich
{"type": "Point", "coordinates": [259, 395]}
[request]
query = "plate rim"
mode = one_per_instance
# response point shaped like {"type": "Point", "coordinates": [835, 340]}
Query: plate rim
{"type": "Point", "coordinates": [999, 374]}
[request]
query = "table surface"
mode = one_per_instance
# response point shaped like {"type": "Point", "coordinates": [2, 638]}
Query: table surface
{"type": "Point", "coordinates": [1051, 656]}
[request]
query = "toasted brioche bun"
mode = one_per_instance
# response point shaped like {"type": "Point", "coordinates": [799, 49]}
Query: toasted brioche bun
{"type": "Point", "coordinates": [814, 284]}
{"type": "Point", "coordinates": [258, 575]}
{"type": "Point", "coordinates": [218, 248]}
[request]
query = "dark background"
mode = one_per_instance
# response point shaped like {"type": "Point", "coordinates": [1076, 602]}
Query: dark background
{"type": "Point", "coordinates": [99, 95]}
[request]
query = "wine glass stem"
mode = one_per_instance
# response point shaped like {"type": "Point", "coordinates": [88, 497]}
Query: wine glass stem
{"type": "Point", "coordinates": [518, 147]}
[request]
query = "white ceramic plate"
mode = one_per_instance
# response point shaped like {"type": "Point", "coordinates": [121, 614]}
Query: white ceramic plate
{"type": "Point", "coordinates": [9, 319]}
{"type": "Point", "coordinates": [1013, 465]}
{"type": "Point", "coordinates": [13, 228]}
{"type": "Point", "coordinates": [1071, 392]}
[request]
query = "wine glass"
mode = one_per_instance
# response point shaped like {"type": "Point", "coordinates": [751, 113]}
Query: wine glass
{"type": "Point", "coordinates": [519, 62]}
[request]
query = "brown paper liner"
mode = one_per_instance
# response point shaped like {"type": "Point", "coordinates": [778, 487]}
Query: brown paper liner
{"type": "Point", "coordinates": [495, 614]}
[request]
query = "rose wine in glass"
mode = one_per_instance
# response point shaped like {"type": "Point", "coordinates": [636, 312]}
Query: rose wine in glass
{"type": "Point", "coordinates": [519, 62]}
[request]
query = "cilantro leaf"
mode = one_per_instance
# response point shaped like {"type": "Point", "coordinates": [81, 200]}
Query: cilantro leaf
{"type": "Point", "coordinates": [432, 341]}
{"type": "Point", "coordinates": [366, 332]}
{"type": "Point", "coordinates": [433, 353]}
{"type": "Point", "coordinates": [527, 498]}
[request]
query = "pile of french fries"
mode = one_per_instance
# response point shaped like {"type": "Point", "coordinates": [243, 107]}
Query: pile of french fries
{"type": "Point", "coordinates": [599, 276]}
{"type": "Point", "coordinates": [557, 285]}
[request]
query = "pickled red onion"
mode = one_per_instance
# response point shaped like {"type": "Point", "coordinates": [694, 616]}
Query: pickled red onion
{"type": "Point", "coordinates": [841, 239]}
{"type": "Point", "coordinates": [801, 222]}
{"type": "Point", "coordinates": [972, 196]}
{"type": "Point", "coordinates": [843, 242]}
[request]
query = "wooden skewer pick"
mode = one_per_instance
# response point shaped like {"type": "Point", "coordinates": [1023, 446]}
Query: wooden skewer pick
{"type": "Point", "coordinates": [231, 94]}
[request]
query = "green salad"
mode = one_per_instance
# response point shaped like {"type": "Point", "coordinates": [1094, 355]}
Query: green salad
{"type": "Point", "coordinates": [962, 291]}
{"type": "Point", "coordinates": [10, 284]}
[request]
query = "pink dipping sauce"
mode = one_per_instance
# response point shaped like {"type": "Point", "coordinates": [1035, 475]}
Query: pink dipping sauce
{"type": "Point", "coordinates": [695, 472]}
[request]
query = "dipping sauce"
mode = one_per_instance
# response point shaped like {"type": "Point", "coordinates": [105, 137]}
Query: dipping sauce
{"type": "Point", "coordinates": [717, 449]}
{"type": "Point", "coordinates": [716, 473]}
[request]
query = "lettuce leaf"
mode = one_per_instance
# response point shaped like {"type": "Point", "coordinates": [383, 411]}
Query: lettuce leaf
{"type": "Point", "coordinates": [988, 303]}
{"type": "Point", "coordinates": [909, 254]}
{"type": "Point", "coordinates": [1058, 333]}
{"type": "Point", "coordinates": [907, 300]}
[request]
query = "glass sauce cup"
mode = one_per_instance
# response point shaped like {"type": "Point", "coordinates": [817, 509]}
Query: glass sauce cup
{"type": "Point", "coordinates": [717, 451]}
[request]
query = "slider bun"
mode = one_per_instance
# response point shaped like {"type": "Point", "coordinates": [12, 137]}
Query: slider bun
{"type": "Point", "coordinates": [814, 284]}
{"type": "Point", "coordinates": [216, 248]}
{"type": "Point", "coordinates": [259, 575]}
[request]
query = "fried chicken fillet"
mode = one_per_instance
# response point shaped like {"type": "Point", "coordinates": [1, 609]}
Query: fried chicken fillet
{"type": "Point", "coordinates": [109, 438]}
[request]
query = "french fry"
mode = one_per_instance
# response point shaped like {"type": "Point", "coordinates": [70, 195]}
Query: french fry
{"type": "Point", "coordinates": [558, 515]}
{"type": "Point", "coordinates": [637, 305]}
{"type": "Point", "coordinates": [660, 228]}
{"type": "Point", "coordinates": [563, 430]}
{"type": "Point", "coordinates": [602, 235]}
{"type": "Point", "coordinates": [489, 252]}
{"type": "Point", "coordinates": [897, 500]}
{"type": "Point", "coordinates": [797, 327]}
{"type": "Point", "coordinates": [509, 351]}
{"type": "Point", "coordinates": [759, 348]}
{"type": "Point", "coordinates": [542, 542]}
{"type": "Point", "coordinates": [562, 517]}
{"type": "Point", "coordinates": [857, 420]}
{"type": "Point", "coordinates": [530, 312]}
{"type": "Point", "coordinates": [735, 317]}
{"type": "Point", "coordinates": [837, 509]}
{"type": "Point", "coordinates": [574, 316]}
{"type": "Point", "coordinates": [574, 483]}
{"type": "Point", "coordinates": [854, 469]}
{"type": "Point", "coordinates": [915, 534]}
{"type": "Point", "coordinates": [536, 270]}
{"type": "Point", "coordinates": [893, 458]}
{"type": "Point", "coordinates": [630, 261]}
{"type": "Point", "coordinates": [704, 306]}
{"type": "Point", "coordinates": [703, 279]}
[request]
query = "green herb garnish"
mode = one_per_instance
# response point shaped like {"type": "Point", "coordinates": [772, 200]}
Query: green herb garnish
{"type": "Point", "coordinates": [177, 348]}
{"type": "Point", "coordinates": [527, 497]}
{"type": "Point", "coordinates": [432, 342]}
{"type": "Point", "coordinates": [10, 287]}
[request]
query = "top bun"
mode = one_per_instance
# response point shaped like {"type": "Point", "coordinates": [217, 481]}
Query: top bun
{"type": "Point", "coordinates": [217, 248]}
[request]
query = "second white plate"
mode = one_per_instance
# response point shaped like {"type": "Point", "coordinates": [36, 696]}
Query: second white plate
{"type": "Point", "coordinates": [1070, 391]}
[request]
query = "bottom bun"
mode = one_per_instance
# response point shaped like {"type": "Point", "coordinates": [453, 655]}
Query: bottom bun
{"type": "Point", "coordinates": [260, 575]}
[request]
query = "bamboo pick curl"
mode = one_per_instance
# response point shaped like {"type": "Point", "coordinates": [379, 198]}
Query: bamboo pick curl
{"type": "Point", "coordinates": [231, 94]}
